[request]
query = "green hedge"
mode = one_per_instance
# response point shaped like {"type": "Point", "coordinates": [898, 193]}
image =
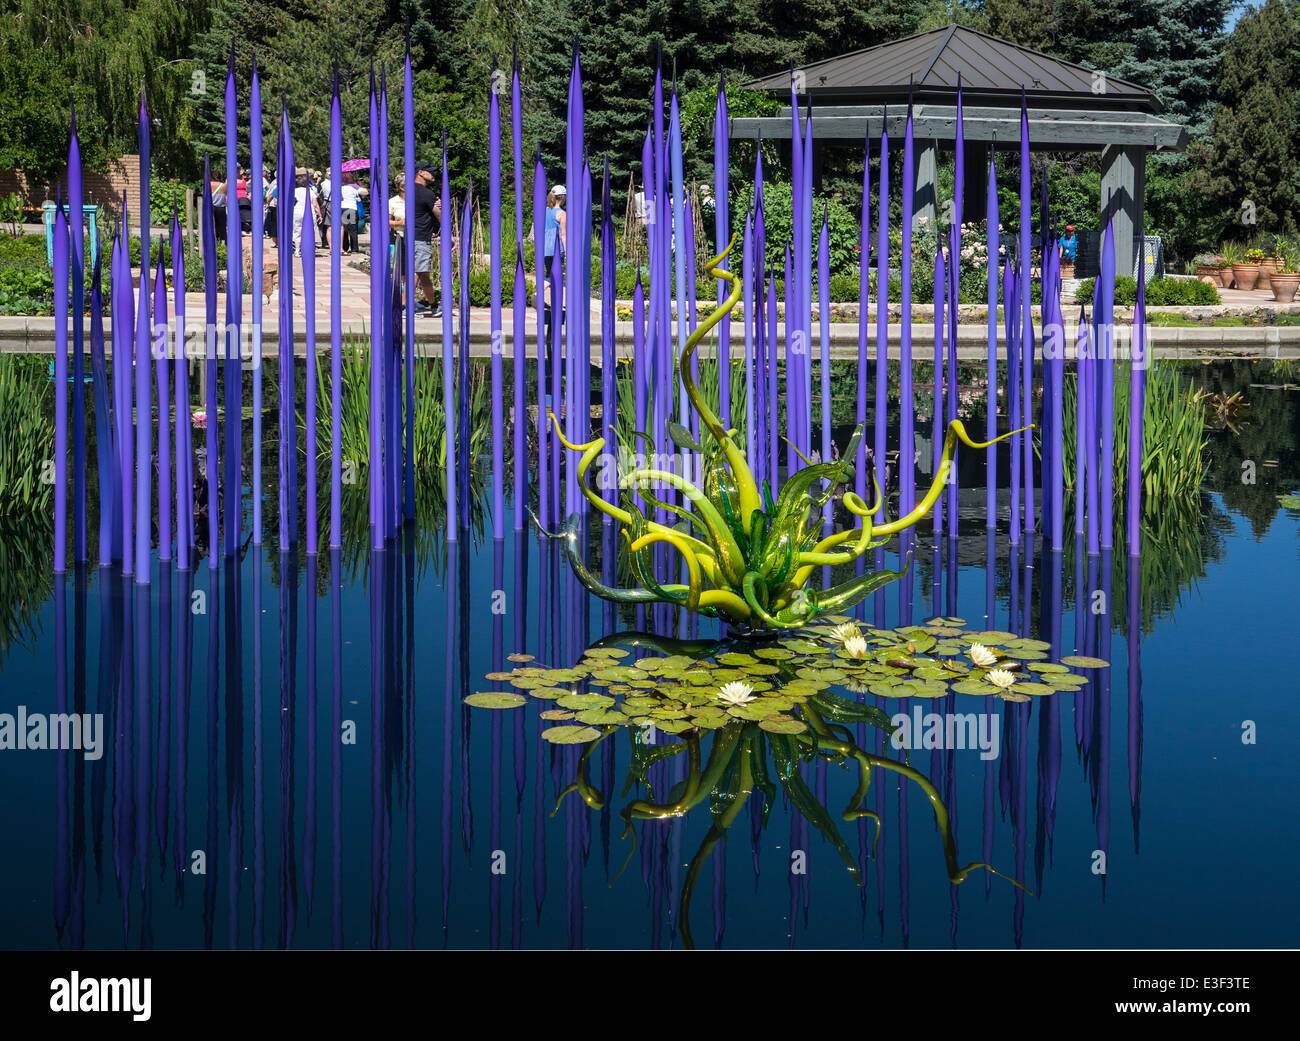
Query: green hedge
{"type": "Point", "coordinates": [1160, 292]}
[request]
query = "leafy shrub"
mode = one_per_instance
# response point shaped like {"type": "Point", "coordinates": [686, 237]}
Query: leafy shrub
{"type": "Point", "coordinates": [480, 288]}
{"type": "Point", "coordinates": [1160, 292]}
{"type": "Point", "coordinates": [778, 221]}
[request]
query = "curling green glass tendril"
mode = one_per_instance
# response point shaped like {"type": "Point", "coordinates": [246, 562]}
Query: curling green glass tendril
{"type": "Point", "coordinates": [748, 558]}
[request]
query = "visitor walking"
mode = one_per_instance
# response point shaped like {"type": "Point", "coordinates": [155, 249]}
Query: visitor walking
{"type": "Point", "coordinates": [304, 201]}
{"type": "Point", "coordinates": [427, 226]}
{"type": "Point", "coordinates": [349, 199]}
{"type": "Point", "coordinates": [554, 237]}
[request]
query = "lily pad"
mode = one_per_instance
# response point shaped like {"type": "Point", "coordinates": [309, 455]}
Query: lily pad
{"type": "Point", "coordinates": [556, 714]}
{"type": "Point", "coordinates": [496, 699]}
{"type": "Point", "coordinates": [520, 657]}
{"type": "Point", "coordinates": [570, 735]}
{"type": "Point", "coordinates": [782, 725]}
{"type": "Point", "coordinates": [1082, 661]}
{"type": "Point", "coordinates": [582, 702]}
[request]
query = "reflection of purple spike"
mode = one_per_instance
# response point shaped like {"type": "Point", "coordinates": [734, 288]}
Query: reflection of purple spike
{"type": "Point", "coordinates": [60, 387]}
{"type": "Point", "coordinates": [160, 345]}
{"type": "Point", "coordinates": [1102, 679]}
{"type": "Point", "coordinates": [336, 324]}
{"type": "Point", "coordinates": [336, 712]}
{"type": "Point", "coordinates": [494, 250]}
{"type": "Point", "coordinates": [1135, 694]}
{"type": "Point", "coordinates": [864, 297]}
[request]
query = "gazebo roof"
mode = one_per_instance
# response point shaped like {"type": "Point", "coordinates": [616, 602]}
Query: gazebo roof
{"type": "Point", "coordinates": [992, 72]}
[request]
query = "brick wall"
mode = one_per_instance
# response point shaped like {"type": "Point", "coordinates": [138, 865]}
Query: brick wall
{"type": "Point", "coordinates": [103, 189]}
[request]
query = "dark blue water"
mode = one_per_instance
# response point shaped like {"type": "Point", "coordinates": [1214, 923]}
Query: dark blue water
{"type": "Point", "coordinates": [433, 825]}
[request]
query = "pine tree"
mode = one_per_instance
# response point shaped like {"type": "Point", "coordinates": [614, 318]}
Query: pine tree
{"type": "Point", "coordinates": [1176, 50]}
{"type": "Point", "coordinates": [1248, 168]}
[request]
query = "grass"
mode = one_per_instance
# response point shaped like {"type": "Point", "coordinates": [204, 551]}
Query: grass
{"type": "Point", "coordinates": [1173, 459]}
{"type": "Point", "coordinates": [28, 441]}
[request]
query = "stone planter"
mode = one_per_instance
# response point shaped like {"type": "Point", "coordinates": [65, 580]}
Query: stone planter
{"type": "Point", "coordinates": [1245, 275]}
{"type": "Point", "coordinates": [1284, 286]}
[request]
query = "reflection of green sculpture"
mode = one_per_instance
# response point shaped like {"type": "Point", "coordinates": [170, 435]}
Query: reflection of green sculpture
{"type": "Point", "coordinates": [775, 696]}
{"type": "Point", "coordinates": [748, 557]}
{"type": "Point", "coordinates": [746, 757]}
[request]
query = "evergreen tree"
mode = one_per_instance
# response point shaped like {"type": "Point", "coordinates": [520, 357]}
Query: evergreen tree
{"type": "Point", "coordinates": [1176, 49]}
{"type": "Point", "coordinates": [1248, 168]}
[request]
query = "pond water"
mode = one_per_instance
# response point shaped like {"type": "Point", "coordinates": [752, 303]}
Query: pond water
{"type": "Point", "coordinates": [286, 759]}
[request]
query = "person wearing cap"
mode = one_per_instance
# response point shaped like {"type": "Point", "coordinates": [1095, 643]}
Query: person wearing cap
{"type": "Point", "coordinates": [426, 226]}
{"type": "Point", "coordinates": [556, 226]}
{"type": "Point", "coordinates": [1069, 245]}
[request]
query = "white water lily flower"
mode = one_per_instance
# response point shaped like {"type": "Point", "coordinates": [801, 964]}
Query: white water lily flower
{"type": "Point", "coordinates": [982, 656]}
{"type": "Point", "coordinates": [855, 647]}
{"type": "Point", "coordinates": [1001, 678]}
{"type": "Point", "coordinates": [845, 632]}
{"type": "Point", "coordinates": [736, 693]}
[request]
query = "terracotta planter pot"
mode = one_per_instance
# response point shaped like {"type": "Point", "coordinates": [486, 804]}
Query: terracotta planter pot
{"type": "Point", "coordinates": [1224, 276]}
{"type": "Point", "coordinates": [1268, 265]}
{"type": "Point", "coordinates": [1067, 269]}
{"type": "Point", "coordinates": [1207, 273]}
{"type": "Point", "coordinates": [1284, 286]}
{"type": "Point", "coordinates": [1245, 275]}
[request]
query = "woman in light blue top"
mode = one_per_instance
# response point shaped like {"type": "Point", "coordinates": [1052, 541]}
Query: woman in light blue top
{"type": "Point", "coordinates": [556, 225]}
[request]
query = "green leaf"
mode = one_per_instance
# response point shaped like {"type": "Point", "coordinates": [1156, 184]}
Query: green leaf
{"type": "Point", "coordinates": [570, 735]}
{"type": "Point", "coordinates": [496, 699]}
{"type": "Point", "coordinates": [1082, 661]}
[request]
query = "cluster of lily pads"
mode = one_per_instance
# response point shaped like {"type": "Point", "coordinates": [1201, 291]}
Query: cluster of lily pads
{"type": "Point", "coordinates": [613, 685]}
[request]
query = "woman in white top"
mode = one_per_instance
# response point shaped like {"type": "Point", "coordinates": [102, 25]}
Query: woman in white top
{"type": "Point", "coordinates": [349, 194]}
{"type": "Point", "coordinates": [304, 198]}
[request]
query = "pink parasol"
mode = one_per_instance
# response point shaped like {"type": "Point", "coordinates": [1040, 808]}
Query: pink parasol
{"type": "Point", "coordinates": [352, 165]}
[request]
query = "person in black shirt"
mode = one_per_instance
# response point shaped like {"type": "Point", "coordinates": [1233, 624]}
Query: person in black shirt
{"type": "Point", "coordinates": [427, 225]}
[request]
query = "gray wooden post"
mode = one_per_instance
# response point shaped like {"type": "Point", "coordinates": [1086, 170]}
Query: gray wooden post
{"type": "Point", "coordinates": [927, 177]}
{"type": "Point", "coordinates": [1123, 184]}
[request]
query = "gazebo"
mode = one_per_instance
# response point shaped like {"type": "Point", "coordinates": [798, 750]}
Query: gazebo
{"type": "Point", "coordinates": [1071, 109]}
